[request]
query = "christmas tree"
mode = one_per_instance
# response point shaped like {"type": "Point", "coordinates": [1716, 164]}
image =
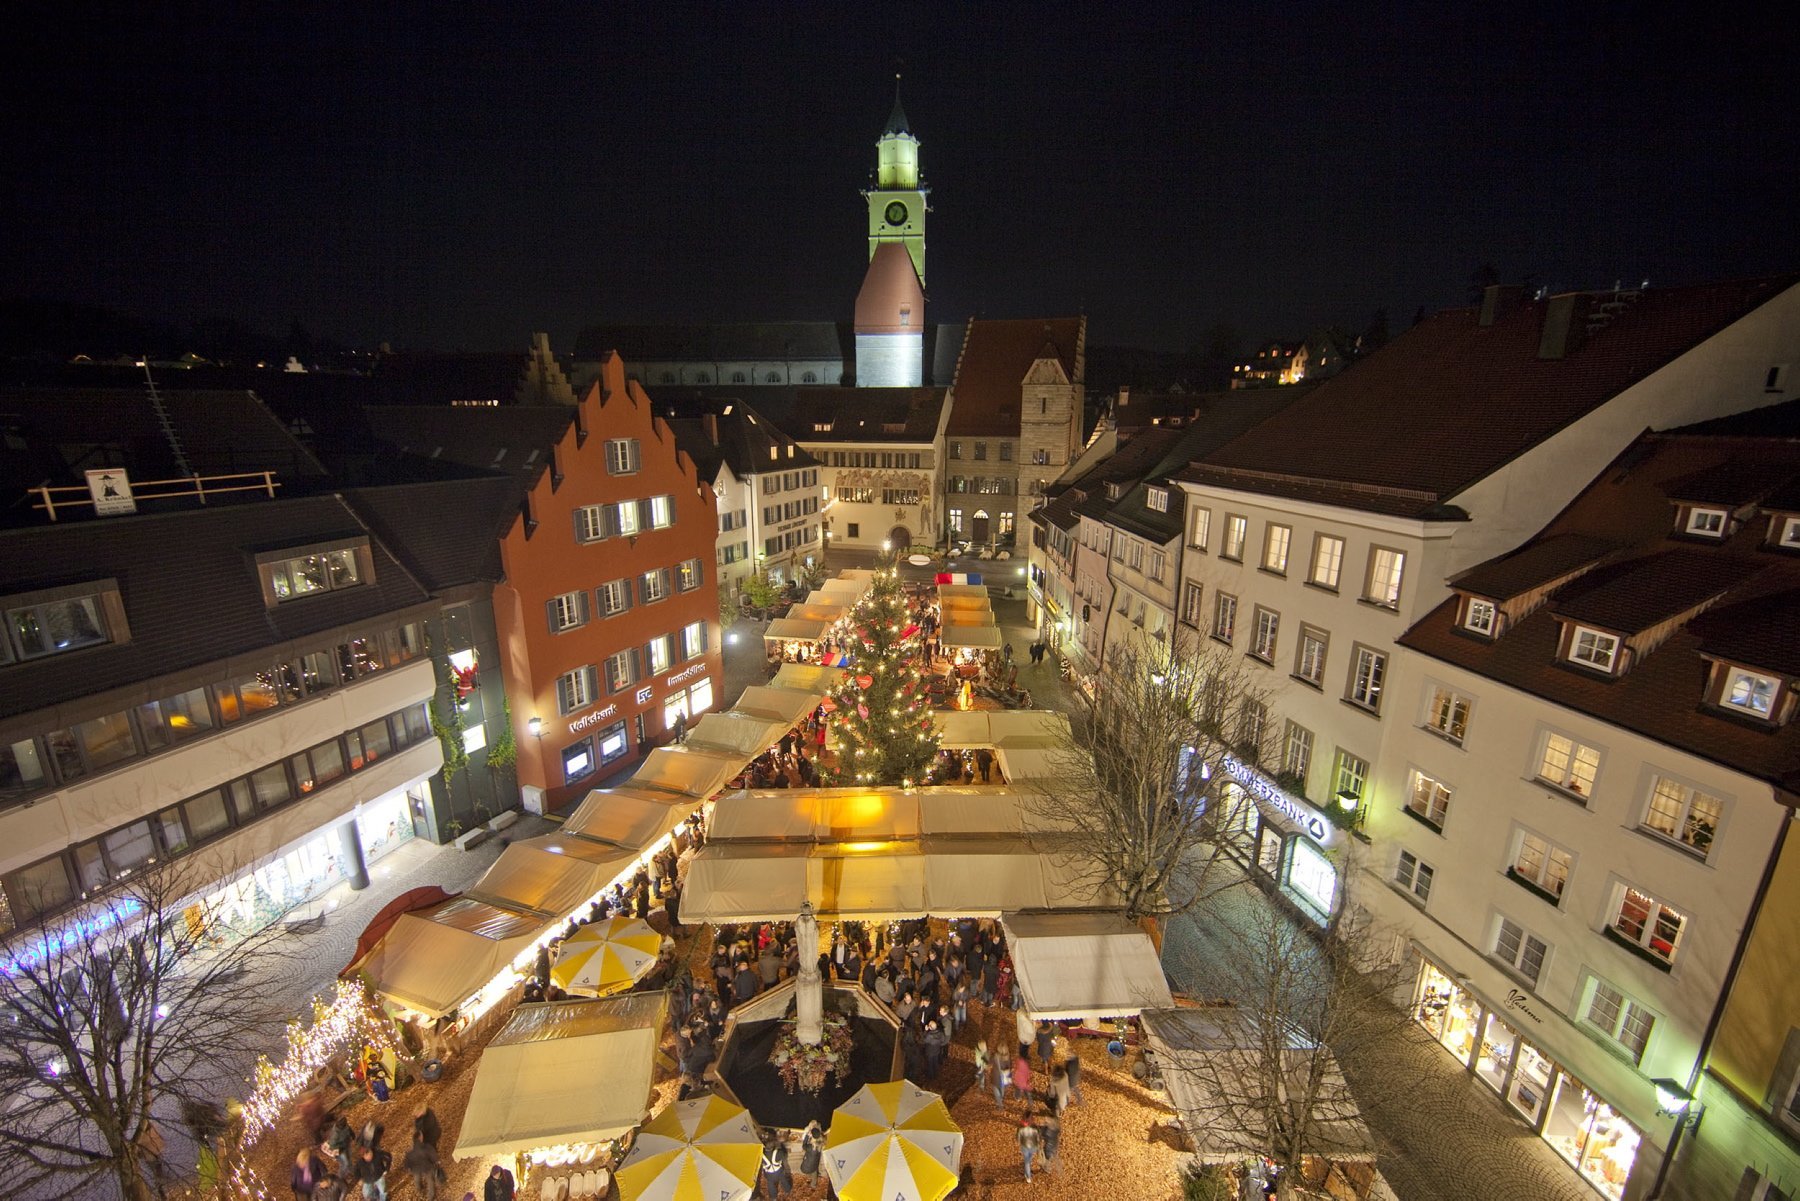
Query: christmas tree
{"type": "Point", "coordinates": [885, 734]}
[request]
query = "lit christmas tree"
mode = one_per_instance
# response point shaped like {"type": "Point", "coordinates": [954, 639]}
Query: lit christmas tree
{"type": "Point", "coordinates": [885, 734]}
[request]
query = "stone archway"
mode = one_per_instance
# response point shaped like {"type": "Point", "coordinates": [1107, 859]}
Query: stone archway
{"type": "Point", "coordinates": [900, 538]}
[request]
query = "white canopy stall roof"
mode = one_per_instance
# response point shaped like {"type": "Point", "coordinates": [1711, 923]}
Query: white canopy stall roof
{"type": "Point", "coordinates": [1073, 965]}
{"type": "Point", "coordinates": [807, 677]}
{"type": "Point", "coordinates": [977, 637]}
{"type": "Point", "coordinates": [628, 817]}
{"type": "Point", "coordinates": [818, 612]}
{"type": "Point", "coordinates": [948, 590]}
{"type": "Point", "coordinates": [1209, 1067]}
{"type": "Point", "coordinates": [434, 960]}
{"type": "Point", "coordinates": [784, 629]}
{"type": "Point", "coordinates": [962, 731]}
{"type": "Point", "coordinates": [681, 772]}
{"type": "Point", "coordinates": [552, 874]}
{"type": "Point", "coordinates": [865, 574]}
{"type": "Point", "coordinates": [733, 733]}
{"type": "Point", "coordinates": [784, 705]}
{"type": "Point", "coordinates": [568, 1072]}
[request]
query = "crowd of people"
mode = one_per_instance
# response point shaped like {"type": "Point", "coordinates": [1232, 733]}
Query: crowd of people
{"type": "Point", "coordinates": [342, 1162]}
{"type": "Point", "coordinates": [786, 764]}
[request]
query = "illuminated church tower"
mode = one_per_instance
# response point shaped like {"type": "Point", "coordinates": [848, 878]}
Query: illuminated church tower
{"type": "Point", "coordinates": [890, 308]}
{"type": "Point", "coordinates": [897, 201]}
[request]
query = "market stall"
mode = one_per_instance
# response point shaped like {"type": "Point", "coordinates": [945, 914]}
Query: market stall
{"type": "Point", "coordinates": [784, 705]}
{"type": "Point", "coordinates": [686, 772]}
{"type": "Point", "coordinates": [432, 961]}
{"type": "Point", "coordinates": [1210, 1060]}
{"type": "Point", "coordinates": [795, 639]}
{"type": "Point", "coordinates": [552, 874]}
{"type": "Point", "coordinates": [807, 677]}
{"type": "Point", "coordinates": [627, 817]}
{"type": "Point", "coordinates": [734, 733]}
{"type": "Point", "coordinates": [564, 1074]}
{"type": "Point", "coordinates": [1084, 965]}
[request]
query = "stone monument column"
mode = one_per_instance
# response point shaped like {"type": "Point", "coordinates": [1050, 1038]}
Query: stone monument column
{"type": "Point", "coordinates": [809, 1000]}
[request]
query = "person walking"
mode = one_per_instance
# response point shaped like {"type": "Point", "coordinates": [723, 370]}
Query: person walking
{"type": "Point", "coordinates": [1002, 1081]}
{"type": "Point", "coordinates": [1059, 1089]}
{"type": "Point", "coordinates": [1027, 1031]}
{"type": "Point", "coordinates": [422, 1162]}
{"type": "Point", "coordinates": [812, 1149]}
{"type": "Point", "coordinates": [959, 1002]}
{"type": "Point", "coordinates": [499, 1186]}
{"type": "Point", "coordinates": [1051, 1130]}
{"type": "Point", "coordinates": [777, 1177]}
{"type": "Point", "coordinates": [426, 1125]}
{"type": "Point", "coordinates": [309, 1171]}
{"type": "Point", "coordinates": [1021, 1078]}
{"type": "Point", "coordinates": [983, 1061]}
{"type": "Point", "coordinates": [1072, 1066]}
{"type": "Point", "coordinates": [1046, 1043]}
{"type": "Point", "coordinates": [371, 1170]}
{"type": "Point", "coordinates": [1030, 1141]}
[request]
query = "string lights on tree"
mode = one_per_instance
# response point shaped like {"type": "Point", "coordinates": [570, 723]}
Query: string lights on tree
{"type": "Point", "coordinates": [885, 734]}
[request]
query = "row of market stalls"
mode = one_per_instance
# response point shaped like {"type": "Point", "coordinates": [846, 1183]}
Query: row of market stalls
{"type": "Point", "coordinates": [966, 620]}
{"type": "Point", "coordinates": [799, 635]}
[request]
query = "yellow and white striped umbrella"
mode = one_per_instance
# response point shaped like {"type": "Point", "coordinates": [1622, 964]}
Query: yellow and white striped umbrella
{"type": "Point", "coordinates": [893, 1142]}
{"type": "Point", "coordinates": [701, 1149]}
{"type": "Point", "coordinates": [605, 956]}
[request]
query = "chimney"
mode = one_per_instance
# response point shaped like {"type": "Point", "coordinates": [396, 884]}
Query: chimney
{"type": "Point", "coordinates": [1497, 300]}
{"type": "Point", "coordinates": [1562, 335]}
{"type": "Point", "coordinates": [710, 423]}
{"type": "Point", "coordinates": [1124, 396]}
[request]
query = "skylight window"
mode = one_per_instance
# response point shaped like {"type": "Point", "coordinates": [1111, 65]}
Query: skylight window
{"type": "Point", "coordinates": [1707, 523]}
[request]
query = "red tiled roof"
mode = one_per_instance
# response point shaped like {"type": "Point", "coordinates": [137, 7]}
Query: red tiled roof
{"type": "Point", "coordinates": [1533, 565]}
{"type": "Point", "coordinates": [995, 357]}
{"type": "Point", "coordinates": [890, 288]}
{"type": "Point", "coordinates": [1658, 574]}
{"type": "Point", "coordinates": [1451, 400]}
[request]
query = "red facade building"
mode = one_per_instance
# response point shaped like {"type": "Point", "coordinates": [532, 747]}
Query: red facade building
{"type": "Point", "coordinates": [608, 617]}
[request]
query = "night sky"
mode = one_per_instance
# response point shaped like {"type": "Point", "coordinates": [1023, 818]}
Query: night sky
{"type": "Point", "coordinates": [442, 180]}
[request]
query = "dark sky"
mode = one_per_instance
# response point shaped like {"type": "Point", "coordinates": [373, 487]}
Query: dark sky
{"type": "Point", "coordinates": [442, 179]}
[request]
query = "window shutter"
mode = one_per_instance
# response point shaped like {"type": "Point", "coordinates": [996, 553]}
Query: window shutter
{"type": "Point", "coordinates": [637, 665]}
{"type": "Point", "coordinates": [581, 606]}
{"type": "Point", "coordinates": [705, 632]}
{"type": "Point", "coordinates": [644, 515]}
{"type": "Point", "coordinates": [550, 616]}
{"type": "Point", "coordinates": [668, 579]}
{"type": "Point", "coordinates": [625, 590]}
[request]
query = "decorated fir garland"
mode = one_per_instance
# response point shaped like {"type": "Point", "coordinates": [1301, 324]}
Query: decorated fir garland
{"type": "Point", "coordinates": [806, 1068]}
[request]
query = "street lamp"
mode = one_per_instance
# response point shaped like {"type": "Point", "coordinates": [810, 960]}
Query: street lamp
{"type": "Point", "coordinates": [1674, 1101]}
{"type": "Point", "coordinates": [535, 727]}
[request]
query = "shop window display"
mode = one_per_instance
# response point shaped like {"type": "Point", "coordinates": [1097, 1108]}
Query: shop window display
{"type": "Point", "coordinates": [1449, 1012]}
{"type": "Point", "coordinates": [1498, 1045]}
{"type": "Point", "coordinates": [1584, 1130]}
{"type": "Point", "coordinates": [1530, 1085]}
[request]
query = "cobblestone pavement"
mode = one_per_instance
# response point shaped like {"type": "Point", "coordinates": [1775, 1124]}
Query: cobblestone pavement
{"type": "Point", "coordinates": [1440, 1134]}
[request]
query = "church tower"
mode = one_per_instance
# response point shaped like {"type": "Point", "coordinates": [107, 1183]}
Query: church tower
{"type": "Point", "coordinates": [897, 201]}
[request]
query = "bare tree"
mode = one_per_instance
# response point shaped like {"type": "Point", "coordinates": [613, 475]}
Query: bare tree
{"type": "Point", "coordinates": [1262, 1076]}
{"type": "Point", "coordinates": [114, 1018]}
{"type": "Point", "coordinates": [1131, 789]}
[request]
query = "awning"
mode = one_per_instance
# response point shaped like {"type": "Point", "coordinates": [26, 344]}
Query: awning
{"type": "Point", "coordinates": [807, 677]}
{"type": "Point", "coordinates": [818, 612]}
{"type": "Point", "coordinates": [785, 705]}
{"type": "Point", "coordinates": [569, 1072]}
{"type": "Point", "coordinates": [1210, 1067]}
{"type": "Point", "coordinates": [553, 873]}
{"type": "Point", "coordinates": [1023, 757]}
{"type": "Point", "coordinates": [735, 734]}
{"type": "Point", "coordinates": [983, 877]}
{"type": "Point", "coordinates": [960, 731]}
{"type": "Point", "coordinates": [680, 772]}
{"type": "Point", "coordinates": [434, 961]}
{"type": "Point", "coordinates": [948, 588]}
{"type": "Point", "coordinates": [785, 629]}
{"type": "Point", "coordinates": [973, 637]}
{"type": "Point", "coordinates": [865, 574]}
{"type": "Point", "coordinates": [965, 604]}
{"type": "Point", "coordinates": [628, 817]}
{"type": "Point", "coordinates": [815, 814]}
{"type": "Point", "coordinates": [1073, 965]}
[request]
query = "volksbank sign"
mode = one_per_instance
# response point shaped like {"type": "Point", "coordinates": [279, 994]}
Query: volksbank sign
{"type": "Point", "coordinates": [1310, 820]}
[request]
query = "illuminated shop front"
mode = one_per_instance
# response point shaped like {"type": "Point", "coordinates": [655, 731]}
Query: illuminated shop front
{"type": "Point", "coordinates": [1587, 1132]}
{"type": "Point", "coordinates": [1290, 838]}
{"type": "Point", "coordinates": [686, 704]}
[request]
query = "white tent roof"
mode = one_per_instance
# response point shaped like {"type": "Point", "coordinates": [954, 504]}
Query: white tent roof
{"type": "Point", "coordinates": [734, 733]}
{"type": "Point", "coordinates": [807, 677]}
{"type": "Point", "coordinates": [568, 1072]}
{"type": "Point", "coordinates": [983, 877]}
{"type": "Point", "coordinates": [785, 705]}
{"type": "Point", "coordinates": [854, 589]}
{"type": "Point", "coordinates": [681, 772]}
{"type": "Point", "coordinates": [865, 574]}
{"type": "Point", "coordinates": [948, 590]}
{"type": "Point", "coordinates": [818, 612]}
{"type": "Point", "coordinates": [434, 960]}
{"type": "Point", "coordinates": [784, 629]}
{"type": "Point", "coordinates": [1209, 1067]}
{"type": "Point", "coordinates": [1030, 758]}
{"type": "Point", "coordinates": [553, 873]}
{"type": "Point", "coordinates": [827, 815]}
{"type": "Point", "coordinates": [959, 730]}
{"type": "Point", "coordinates": [954, 618]}
{"type": "Point", "coordinates": [964, 604]}
{"type": "Point", "coordinates": [1076, 964]}
{"type": "Point", "coordinates": [981, 637]}
{"type": "Point", "coordinates": [631, 818]}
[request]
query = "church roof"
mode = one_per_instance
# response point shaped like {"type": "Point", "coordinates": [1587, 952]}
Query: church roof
{"type": "Point", "coordinates": [896, 122]}
{"type": "Point", "coordinates": [995, 357]}
{"type": "Point", "coordinates": [890, 291]}
{"type": "Point", "coordinates": [765, 341]}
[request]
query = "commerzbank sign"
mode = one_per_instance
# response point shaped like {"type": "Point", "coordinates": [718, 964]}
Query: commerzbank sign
{"type": "Point", "coordinates": [1303, 815]}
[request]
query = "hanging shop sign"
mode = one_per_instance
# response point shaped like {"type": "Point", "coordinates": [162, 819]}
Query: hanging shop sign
{"type": "Point", "coordinates": [1303, 815]}
{"type": "Point", "coordinates": [592, 719]}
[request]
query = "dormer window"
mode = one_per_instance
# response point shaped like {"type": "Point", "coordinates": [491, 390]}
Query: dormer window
{"type": "Point", "coordinates": [1481, 617]}
{"type": "Point", "coordinates": [1750, 692]}
{"type": "Point", "coordinates": [289, 575]}
{"type": "Point", "coordinates": [1113, 491]}
{"type": "Point", "coordinates": [1786, 532]}
{"type": "Point", "coordinates": [1593, 649]}
{"type": "Point", "coordinates": [1706, 523]}
{"type": "Point", "coordinates": [1157, 499]}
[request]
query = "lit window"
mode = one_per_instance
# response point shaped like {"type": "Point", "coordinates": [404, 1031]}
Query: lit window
{"type": "Point", "coordinates": [1202, 524]}
{"type": "Point", "coordinates": [1647, 923]}
{"type": "Point", "coordinates": [622, 456]}
{"type": "Point", "coordinates": [1385, 569]}
{"type": "Point", "coordinates": [1268, 624]}
{"type": "Point", "coordinates": [1542, 864]}
{"type": "Point", "coordinates": [1790, 533]}
{"type": "Point", "coordinates": [1328, 561]}
{"type": "Point", "coordinates": [1708, 523]}
{"type": "Point", "coordinates": [1448, 714]}
{"type": "Point", "coordinates": [1310, 666]}
{"type": "Point", "coordinates": [689, 575]}
{"type": "Point", "coordinates": [1429, 800]}
{"type": "Point", "coordinates": [1593, 649]}
{"type": "Point", "coordinates": [655, 585]}
{"type": "Point", "coordinates": [1368, 673]}
{"type": "Point", "coordinates": [309, 575]}
{"type": "Point", "coordinates": [1481, 616]}
{"type": "Point", "coordinates": [1569, 765]}
{"type": "Point", "coordinates": [1414, 875]}
{"type": "Point", "coordinates": [1520, 950]}
{"type": "Point", "coordinates": [662, 512]}
{"type": "Point", "coordinates": [626, 518]}
{"type": "Point", "coordinates": [1349, 774]}
{"type": "Point", "coordinates": [693, 640]}
{"type": "Point", "coordinates": [1275, 548]}
{"type": "Point", "coordinates": [1687, 815]}
{"type": "Point", "coordinates": [35, 629]}
{"type": "Point", "coordinates": [1190, 603]}
{"type": "Point", "coordinates": [1224, 616]}
{"type": "Point", "coordinates": [1750, 692]}
{"type": "Point", "coordinates": [1619, 1018]}
{"type": "Point", "coordinates": [1157, 499]}
{"type": "Point", "coordinates": [1237, 530]}
{"type": "Point", "coordinates": [660, 653]}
